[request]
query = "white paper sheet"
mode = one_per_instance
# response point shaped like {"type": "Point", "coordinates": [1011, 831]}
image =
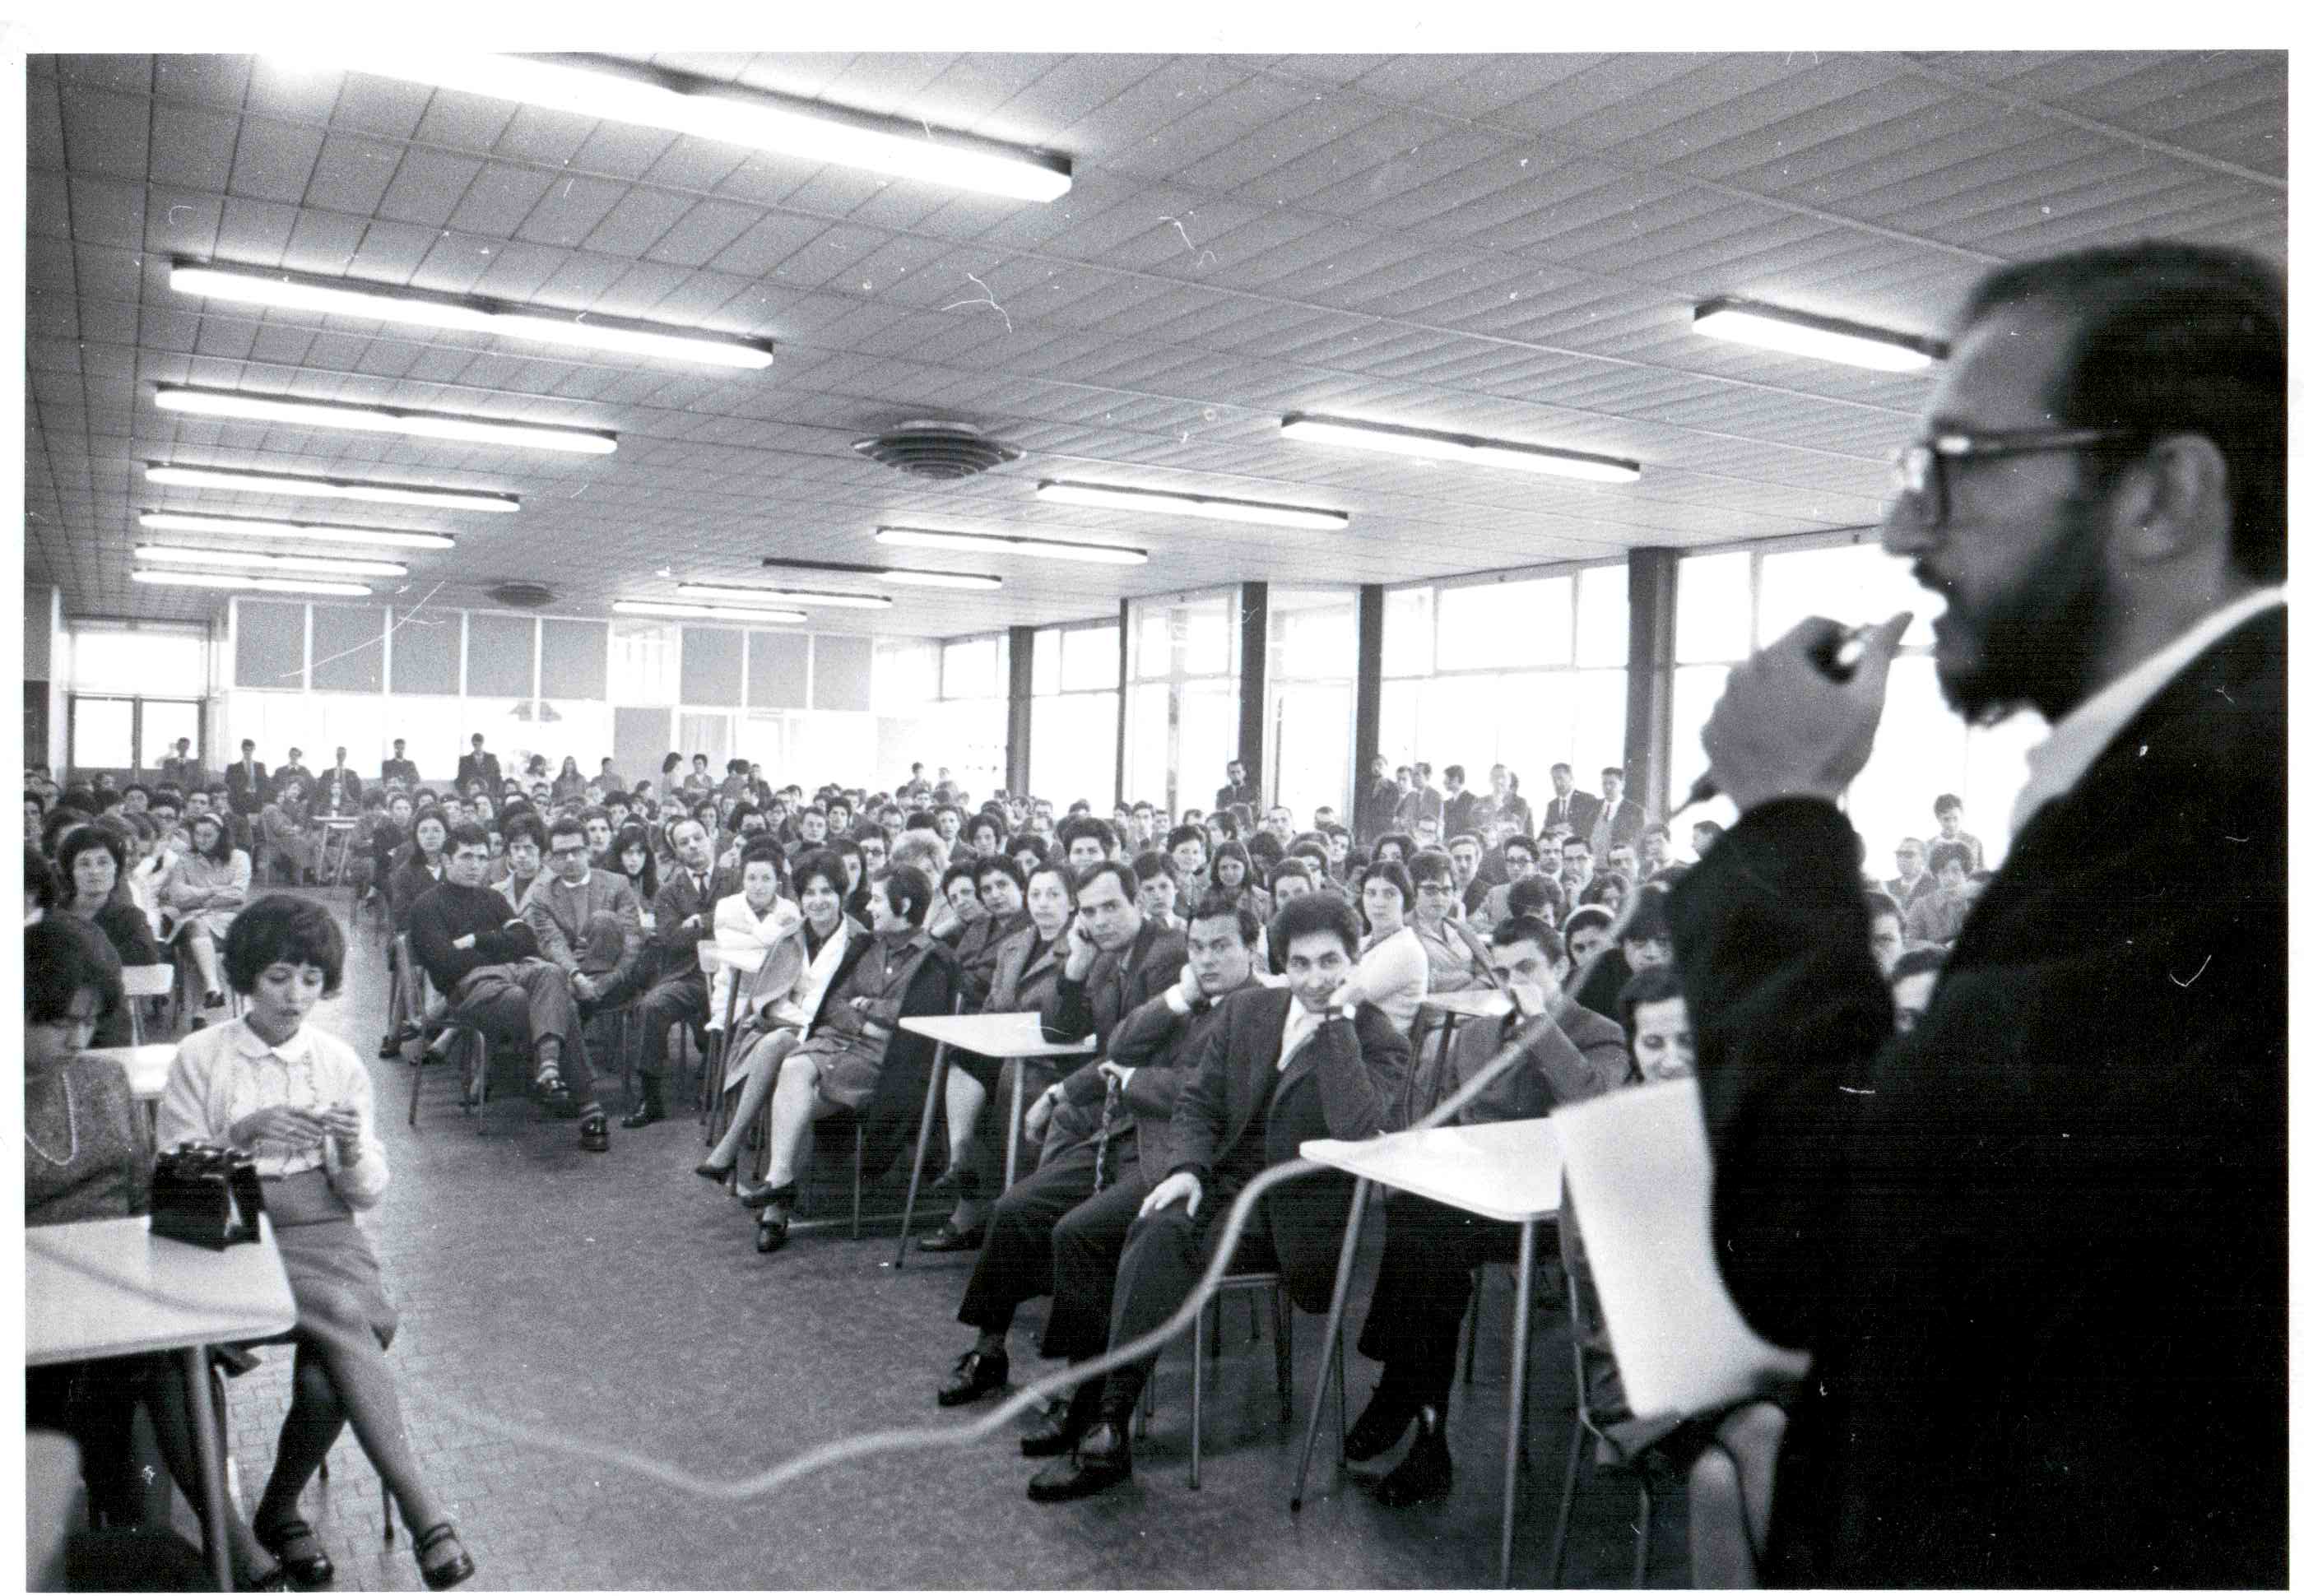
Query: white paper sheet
{"type": "Point", "coordinates": [1640, 1174]}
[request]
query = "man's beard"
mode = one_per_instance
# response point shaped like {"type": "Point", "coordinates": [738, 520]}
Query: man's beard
{"type": "Point", "coordinates": [2034, 641]}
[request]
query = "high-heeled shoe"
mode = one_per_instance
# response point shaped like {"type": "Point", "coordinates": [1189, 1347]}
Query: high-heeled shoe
{"type": "Point", "coordinates": [303, 1558]}
{"type": "Point", "coordinates": [455, 1571]}
{"type": "Point", "coordinates": [776, 1217]}
{"type": "Point", "coordinates": [722, 1178]}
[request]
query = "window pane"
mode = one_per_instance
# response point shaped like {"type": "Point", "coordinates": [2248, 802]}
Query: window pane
{"type": "Point", "coordinates": [711, 665]}
{"type": "Point", "coordinates": [1408, 631]}
{"type": "Point", "coordinates": [842, 673]}
{"type": "Point", "coordinates": [776, 669]}
{"type": "Point", "coordinates": [103, 734]}
{"type": "Point", "coordinates": [640, 663]}
{"type": "Point", "coordinates": [428, 657]}
{"type": "Point", "coordinates": [1149, 657]}
{"type": "Point", "coordinates": [1696, 691]}
{"type": "Point", "coordinates": [1506, 624]}
{"type": "Point", "coordinates": [347, 649]}
{"type": "Point", "coordinates": [575, 660]}
{"type": "Point", "coordinates": [1315, 634]}
{"type": "Point", "coordinates": [1853, 583]}
{"type": "Point", "coordinates": [903, 675]}
{"type": "Point", "coordinates": [1599, 740]}
{"type": "Point", "coordinates": [1714, 620]}
{"type": "Point", "coordinates": [1535, 729]}
{"type": "Point", "coordinates": [1091, 659]}
{"type": "Point", "coordinates": [1073, 748]}
{"type": "Point", "coordinates": [972, 668]}
{"type": "Point", "coordinates": [1147, 743]}
{"type": "Point", "coordinates": [1207, 737]}
{"type": "Point", "coordinates": [499, 655]}
{"type": "Point", "coordinates": [1602, 615]}
{"type": "Point", "coordinates": [1047, 661]}
{"type": "Point", "coordinates": [167, 719]}
{"type": "Point", "coordinates": [270, 646]}
{"type": "Point", "coordinates": [1308, 745]}
{"type": "Point", "coordinates": [105, 658]}
{"type": "Point", "coordinates": [1400, 713]}
{"type": "Point", "coordinates": [1208, 632]}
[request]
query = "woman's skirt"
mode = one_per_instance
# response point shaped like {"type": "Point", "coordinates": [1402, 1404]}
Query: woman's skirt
{"type": "Point", "coordinates": [332, 1271]}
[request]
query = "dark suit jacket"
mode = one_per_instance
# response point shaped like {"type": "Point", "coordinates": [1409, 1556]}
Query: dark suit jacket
{"type": "Point", "coordinates": [483, 770]}
{"type": "Point", "coordinates": [1117, 986]}
{"type": "Point", "coordinates": [1580, 1055]}
{"type": "Point", "coordinates": [1161, 1047]}
{"type": "Point", "coordinates": [675, 900]}
{"type": "Point", "coordinates": [1580, 809]}
{"type": "Point", "coordinates": [1629, 821]}
{"type": "Point", "coordinates": [1377, 806]}
{"type": "Point", "coordinates": [247, 800]}
{"type": "Point", "coordinates": [1342, 1085]}
{"type": "Point", "coordinates": [1245, 793]}
{"type": "Point", "coordinates": [2038, 1244]}
{"type": "Point", "coordinates": [1456, 813]}
{"type": "Point", "coordinates": [405, 769]}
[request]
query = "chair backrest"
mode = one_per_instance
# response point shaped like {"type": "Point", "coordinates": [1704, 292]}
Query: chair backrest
{"type": "Point", "coordinates": [147, 980]}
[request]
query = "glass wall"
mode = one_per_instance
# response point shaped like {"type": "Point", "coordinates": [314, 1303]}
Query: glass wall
{"type": "Point", "coordinates": [970, 726]}
{"type": "Point", "coordinates": [1075, 714]}
{"type": "Point", "coordinates": [1184, 697]}
{"type": "Point", "coordinates": [1523, 670]}
{"type": "Point", "coordinates": [1311, 659]}
{"type": "Point", "coordinates": [1733, 602]}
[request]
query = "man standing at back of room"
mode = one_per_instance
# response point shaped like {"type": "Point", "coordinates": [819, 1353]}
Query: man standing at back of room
{"type": "Point", "coordinates": [400, 766]}
{"type": "Point", "coordinates": [2037, 1243]}
{"type": "Point", "coordinates": [1571, 805]}
{"type": "Point", "coordinates": [1618, 819]}
{"type": "Point", "coordinates": [480, 765]}
{"type": "Point", "coordinates": [1379, 802]}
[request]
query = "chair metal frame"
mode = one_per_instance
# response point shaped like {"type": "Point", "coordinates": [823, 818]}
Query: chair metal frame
{"type": "Point", "coordinates": [1207, 1347]}
{"type": "Point", "coordinates": [142, 982]}
{"type": "Point", "coordinates": [1588, 1436]}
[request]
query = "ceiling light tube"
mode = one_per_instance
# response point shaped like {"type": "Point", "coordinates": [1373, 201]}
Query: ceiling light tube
{"type": "Point", "coordinates": [1422, 444]}
{"type": "Point", "coordinates": [247, 559]}
{"type": "Point", "coordinates": [941, 578]}
{"type": "Point", "coordinates": [800, 128]}
{"type": "Point", "coordinates": [169, 520]}
{"type": "Point", "coordinates": [1820, 337]}
{"type": "Point", "coordinates": [999, 542]}
{"type": "Point", "coordinates": [648, 606]}
{"type": "Point", "coordinates": [791, 595]}
{"type": "Point", "coordinates": [286, 293]}
{"type": "Point", "coordinates": [418, 424]}
{"type": "Point", "coordinates": [195, 579]}
{"type": "Point", "coordinates": [1194, 504]}
{"type": "Point", "coordinates": [316, 487]}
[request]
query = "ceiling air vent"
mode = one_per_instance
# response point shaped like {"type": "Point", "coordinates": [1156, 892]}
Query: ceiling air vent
{"type": "Point", "coordinates": [521, 595]}
{"type": "Point", "coordinates": [941, 450]}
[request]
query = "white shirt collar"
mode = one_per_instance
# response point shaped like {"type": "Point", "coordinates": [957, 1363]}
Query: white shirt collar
{"type": "Point", "coordinates": [296, 1049]}
{"type": "Point", "coordinates": [2063, 756]}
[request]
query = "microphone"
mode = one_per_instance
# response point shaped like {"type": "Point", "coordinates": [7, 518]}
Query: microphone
{"type": "Point", "coordinates": [1836, 656]}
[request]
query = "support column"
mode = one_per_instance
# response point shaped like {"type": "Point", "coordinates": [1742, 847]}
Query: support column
{"type": "Point", "coordinates": [1367, 705]}
{"type": "Point", "coordinates": [1020, 708]}
{"type": "Point", "coordinates": [1120, 717]}
{"type": "Point", "coordinates": [1254, 634]}
{"type": "Point", "coordinates": [1655, 591]}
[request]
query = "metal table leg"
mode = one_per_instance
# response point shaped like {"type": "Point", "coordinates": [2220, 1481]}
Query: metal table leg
{"type": "Point", "coordinates": [1517, 1402]}
{"type": "Point", "coordinates": [920, 1149]}
{"type": "Point", "coordinates": [1015, 1120]}
{"type": "Point", "coordinates": [1330, 1350]}
{"type": "Point", "coordinates": [205, 1446]}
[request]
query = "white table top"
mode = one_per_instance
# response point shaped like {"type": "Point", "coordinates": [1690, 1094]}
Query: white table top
{"type": "Point", "coordinates": [146, 1066]}
{"type": "Point", "coordinates": [1508, 1171]}
{"type": "Point", "coordinates": [110, 1288]}
{"type": "Point", "coordinates": [995, 1035]}
{"type": "Point", "coordinates": [1473, 1002]}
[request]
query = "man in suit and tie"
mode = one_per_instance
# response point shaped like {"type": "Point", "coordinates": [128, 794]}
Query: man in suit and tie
{"type": "Point", "coordinates": [2037, 1244]}
{"type": "Point", "coordinates": [1145, 1065]}
{"type": "Point", "coordinates": [339, 790]}
{"type": "Point", "coordinates": [293, 771]}
{"type": "Point", "coordinates": [1280, 1068]}
{"type": "Point", "coordinates": [1570, 807]}
{"type": "Point", "coordinates": [399, 768]}
{"type": "Point", "coordinates": [250, 789]}
{"type": "Point", "coordinates": [181, 770]}
{"type": "Point", "coordinates": [1619, 818]}
{"type": "Point", "coordinates": [1237, 789]}
{"type": "Point", "coordinates": [678, 994]}
{"type": "Point", "coordinates": [1372, 818]}
{"type": "Point", "coordinates": [1424, 1284]}
{"type": "Point", "coordinates": [479, 765]}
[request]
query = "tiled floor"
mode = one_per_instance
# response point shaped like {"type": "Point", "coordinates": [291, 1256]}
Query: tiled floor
{"type": "Point", "coordinates": [614, 1304]}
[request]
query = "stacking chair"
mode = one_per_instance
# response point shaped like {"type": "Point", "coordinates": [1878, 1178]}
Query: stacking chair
{"type": "Point", "coordinates": [1206, 1344]}
{"type": "Point", "coordinates": [1606, 1451]}
{"type": "Point", "coordinates": [142, 983]}
{"type": "Point", "coordinates": [471, 1048]}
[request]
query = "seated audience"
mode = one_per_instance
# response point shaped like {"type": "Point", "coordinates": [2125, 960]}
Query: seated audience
{"type": "Point", "coordinates": [525, 841]}
{"type": "Point", "coordinates": [1937, 918]}
{"type": "Point", "coordinates": [1456, 955]}
{"type": "Point", "coordinates": [1394, 972]}
{"type": "Point", "coordinates": [587, 921]}
{"type": "Point", "coordinates": [205, 885]}
{"type": "Point", "coordinates": [675, 992]}
{"type": "Point", "coordinates": [486, 964]}
{"type": "Point", "coordinates": [1123, 1264]}
{"type": "Point", "coordinates": [92, 863]}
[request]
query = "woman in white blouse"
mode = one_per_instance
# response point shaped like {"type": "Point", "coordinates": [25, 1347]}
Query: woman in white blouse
{"type": "Point", "coordinates": [203, 890]}
{"type": "Point", "coordinates": [297, 1101]}
{"type": "Point", "coordinates": [1393, 970]}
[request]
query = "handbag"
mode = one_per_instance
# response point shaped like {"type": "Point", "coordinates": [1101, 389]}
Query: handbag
{"type": "Point", "coordinates": [209, 1197]}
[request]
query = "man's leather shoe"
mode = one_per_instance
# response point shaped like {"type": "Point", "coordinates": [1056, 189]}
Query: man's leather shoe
{"type": "Point", "coordinates": [1384, 1421]}
{"type": "Point", "coordinates": [951, 1240]}
{"type": "Point", "coordinates": [977, 1375]}
{"type": "Point", "coordinates": [1426, 1473]}
{"type": "Point", "coordinates": [647, 1113]}
{"type": "Point", "coordinates": [1101, 1461]}
{"type": "Point", "coordinates": [592, 1135]}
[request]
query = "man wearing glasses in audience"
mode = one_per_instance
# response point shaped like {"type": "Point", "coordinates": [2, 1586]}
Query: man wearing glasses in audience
{"type": "Point", "coordinates": [2038, 1244]}
{"type": "Point", "coordinates": [586, 920]}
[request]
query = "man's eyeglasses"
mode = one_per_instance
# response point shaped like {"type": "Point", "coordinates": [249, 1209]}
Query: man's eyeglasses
{"type": "Point", "coordinates": [570, 853]}
{"type": "Point", "coordinates": [1917, 472]}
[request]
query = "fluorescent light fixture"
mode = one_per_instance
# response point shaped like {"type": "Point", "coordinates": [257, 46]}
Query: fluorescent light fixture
{"type": "Point", "coordinates": [1422, 444]}
{"type": "Point", "coordinates": [296, 294]}
{"type": "Point", "coordinates": [316, 487]}
{"type": "Point", "coordinates": [1194, 504]}
{"type": "Point", "coordinates": [941, 578]}
{"type": "Point", "coordinates": [790, 595]}
{"type": "Point", "coordinates": [648, 606]}
{"type": "Point", "coordinates": [197, 579]}
{"type": "Point", "coordinates": [999, 542]}
{"type": "Point", "coordinates": [244, 560]}
{"type": "Point", "coordinates": [1820, 337]}
{"type": "Point", "coordinates": [732, 116]}
{"type": "Point", "coordinates": [169, 520]}
{"type": "Point", "coordinates": [356, 417]}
